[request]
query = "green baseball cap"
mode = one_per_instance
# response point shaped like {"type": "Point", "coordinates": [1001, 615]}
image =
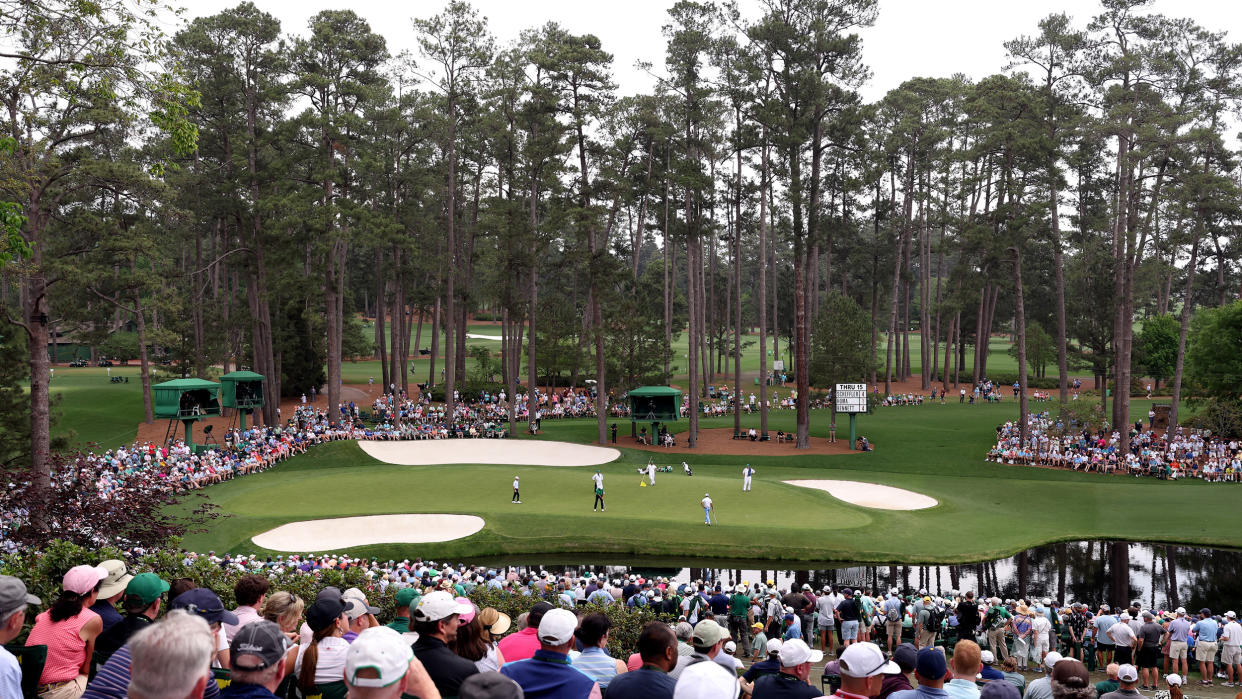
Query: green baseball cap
{"type": "Point", "coordinates": [147, 587]}
{"type": "Point", "coordinates": [406, 596]}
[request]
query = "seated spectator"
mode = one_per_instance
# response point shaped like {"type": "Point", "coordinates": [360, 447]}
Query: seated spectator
{"type": "Point", "coordinates": [657, 646]}
{"type": "Point", "coordinates": [550, 673]}
{"type": "Point", "coordinates": [69, 629]}
{"type": "Point", "coordinates": [250, 591]}
{"type": "Point", "coordinates": [594, 660]}
{"type": "Point", "coordinates": [143, 596]}
{"type": "Point", "coordinates": [436, 619]}
{"type": "Point", "coordinates": [171, 659]}
{"type": "Point", "coordinates": [111, 591]}
{"type": "Point", "coordinates": [791, 682]}
{"type": "Point", "coordinates": [13, 602]}
{"type": "Point", "coordinates": [322, 661]}
{"type": "Point", "coordinates": [525, 642]}
{"type": "Point", "coordinates": [380, 665]}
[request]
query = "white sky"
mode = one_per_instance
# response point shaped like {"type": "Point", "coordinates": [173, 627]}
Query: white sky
{"type": "Point", "coordinates": [911, 37]}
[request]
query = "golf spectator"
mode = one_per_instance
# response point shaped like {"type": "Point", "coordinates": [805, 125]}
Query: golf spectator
{"type": "Point", "coordinates": [930, 668]}
{"type": "Point", "coordinates": [594, 660]}
{"type": "Point", "coordinates": [1110, 684]}
{"type": "Point", "coordinates": [380, 665]}
{"type": "Point", "coordinates": [524, 643]}
{"type": "Point", "coordinates": [1123, 638]}
{"type": "Point", "coordinates": [1070, 680]}
{"type": "Point", "coordinates": [988, 673]}
{"type": "Point", "coordinates": [965, 664]}
{"type": "Point", "coordinates": [1041, 687]}
{"type": "Point", "coordinates": [257, 659]}
{"type": "Point", "coordinates": [1175, 686]}
{"type": "Point", "coordinates": [13, 602]}
{"type": "Point", "coordinates": [549, 673]}
{"type": "Point", "coordinates": [1104, 621]}
{"type": "Point", "coordinates": [999, 690]}
{"type": "Point", "coordinates": [171, 659]}
{"type": "Point", "coordinates": [476, 639]}
{"type": "Point", "coordinates": [657, 646]}
{"type": "Point", "coordinates": [322, 660]}
{"type": "Point", "coordinates": [906, 656]}
{"type": "Point", "coordinates": [1230, 649]}
{"type": "Point", "coordinates": [285, 610]}
{"type": "Point", "coordinates": [796, 659]}
{"type": "Point", "coordinates": [1179, 636]}
{"type": "Point", "coordinates": [893, 611]}
{"type": "Point", "coordinates": [143, 596]}
{"type": "Point", "coordinates": [996, 623]}
{"type": "Point", "coordinates": [1150, 635]}
{"type": "Point", "coordinates": [1206, 631]}
{"type": "Point", "coordinates": [69, 629]}
{"type": "Point", "coordinates": [847, 616]}
{"type": "Point", "coordinates": [406, 598]}
{"type": "Point", "coordinates": [112, 679]}
{"type": "Point", "coordinates": [707, 639]}
{"type": "Point", "coordinates": [250, 592]}
{"type": "Point", "coordinates": [967, 618]}
{"type": "Point", "coordinates": [1127, 678]}
{"type": "Point", "coordinates": [1009, 670]}
{"type": "Point", "coordinates": [1041, 633]}
{"type": "Point", "coordinates": [111, 591]}
{"type": "Point", "coordinates": [862, 667]}
{"type": "Point", "coordinates": [825, 606]}
{"type": "Point", "coordinates": [436, 619]}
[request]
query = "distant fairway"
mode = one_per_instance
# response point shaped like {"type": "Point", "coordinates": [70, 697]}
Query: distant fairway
{"type": "Point", "coordinates": [985, 510]}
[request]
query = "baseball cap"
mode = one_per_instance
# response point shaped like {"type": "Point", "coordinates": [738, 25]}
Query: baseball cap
{"type": "Point", "coordinates": [80, 580]}
{"type": "Point", "coordinates": [1051, 659]}
{"type": "Point", "coordinates": [147, 587]}
{"type": "Point", "coordinates": [774, 646]}
{"type": "Point", "coordinates": [1127, 673]}
{"type": "Point", "coordinates": [356, 594]}
{"type": "Point", "coordinates": [847, 592]}
{"type": "Point", "coordinates": [438, 605]}
{"type": "Point", "coordinates": [708, 633]}
{"type": "Point", "coordinates": [324, 612]}
{"type": "Point", "coordinates": [864, 660]}
{"type": "Point", "coordinates": [931, 664]}
{"type": "Point", "coordinates": [1231, 615]}
{"type": "Point", "coordinates": [999, 690]}
{"type": "Point", "coordinates": [1181, 611]}
{"type": "Point", "coordinates": [466, 617]}
{"type": "Point", "coordinates": [756, 625]}
{"type": "Point", "coordinates": [795, 652]}
{"type": "Point", "coordinates": [354, 608]}
{"type": "Point", "coordinates": [1205, 611]}
{"type": "Point", "coordinates": [205, 603]}
{"type": "Point", "coordinates": [260, 640]}
{"type": "Point", "coordinates": [986, 657]}
{"type": "Point", "coordinates": [730, 647]}
{"type": "Point", "coordinates": [557, 627]}
{"type": "Point", "coordinates": [906, 656]}
{"type": "Point", "coordinates": [381, 649]}
{"type": "Point", "coordinates": [489, 685]}
{"type": "Point", "coordinates": [406, 596]}
{"type": "Point", "coordinates": [1174, 679]}
{"type": "Point", "coordinates": [707, 681]}
{"type": "Point", "coordinates": [118, 577]}
{"type": "Point", "coordinates": [13, 594]}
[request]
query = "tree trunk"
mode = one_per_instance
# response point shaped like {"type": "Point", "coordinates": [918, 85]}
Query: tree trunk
{"type": "Point", "coordinates": [381, 311]}
{"type": "Point", "coordinates": [763, 286]}
{"type": "Point", "coordinates": [1187, 308]}
{"type": "Point", "coordinates": [1020, 323]}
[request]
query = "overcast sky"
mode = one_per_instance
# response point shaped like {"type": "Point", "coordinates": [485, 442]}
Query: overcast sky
{"type": "Point", "coordinates": [911, 37]}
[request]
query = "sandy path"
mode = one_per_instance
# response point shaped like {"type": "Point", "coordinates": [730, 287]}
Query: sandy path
{"type": "Point", "coordinates": [877, 497]}
{"type": "Point", "coordinates": [516, 452]}
{"type": "Point", "coordinates": [348, 532]}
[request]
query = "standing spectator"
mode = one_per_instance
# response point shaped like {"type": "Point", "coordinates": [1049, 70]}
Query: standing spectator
{"type": "Point", "coordinates": [436, 619]}
{"type": "Point", "coordinates": [1041, 635]}
{"type": "Point", "coordinates": [13, 602]}
{"type": "Point", "coordinates": [657, 646]}
{"type": "Point", "coordinates": [893, 610]}
{"type": "Point", "coordinates": [111, 591]}
{"type": "Point", "coordinates": [550, 673]}
{"type": "Point", "coordinates": [1151, 634]}
{"type": "Point", "coordinates": [1104, 621]}
{"type": "Point", "coordinates": [847, 614]}
{"type": "Point", "coordinates": [143, 596]}
{"type": "Point", "coordinates": [967, 618]}
{"type": "Point", "coordinates": [1179, 636]}
{"type": "Point", "coordinates": [171, 659]}
{"type": "Point", "coordinates": [69, 629]}
{"type": "Point", "coordinates": [250, 592]}
{"type": "Point", "coordinates": [1230, 649]}
{"type": "Point", "coordinates": [1123, 639]}
{"type": "Point", "coordinates": [1206, 631]}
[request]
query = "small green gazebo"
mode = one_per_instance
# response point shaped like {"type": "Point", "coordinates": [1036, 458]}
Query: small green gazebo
{"type": "Point", "coordinates": [188, 401]}
{"type": "Point", "coordinates": [242, 390]}
{"type": "Point", "coordinates": [654, 404]}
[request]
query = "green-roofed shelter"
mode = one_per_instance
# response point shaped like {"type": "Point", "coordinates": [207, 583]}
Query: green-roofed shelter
{"type": "Point", "coordinates": [187, 400]}
{"type": "Point", "coordinates": [655, 404]}
{"type": "Point", "coordinates": [242, 390]}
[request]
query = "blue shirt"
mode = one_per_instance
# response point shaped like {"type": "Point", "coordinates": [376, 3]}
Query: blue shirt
{"type": "Point", "coordinates": [647, 682]}
{"type": "Point", "coordinates": [1103, 623]}
{"type": "Point", "coordinates": [962, 689]}
{"type": "Point", "coordinates": [919, 692]}
{"type": "Point", "coordinates": [595, 662]}
{"type": "Point", "coordinates": [549, 675]}
{"type": "Point", "coordinates": [10, 675]}
{"type": "Point", "coordinates": [990, 673]}
{"type": "Point", "coordinates": [1179, 630]}
{"type": "Point", "coordinates": [1206, 630]}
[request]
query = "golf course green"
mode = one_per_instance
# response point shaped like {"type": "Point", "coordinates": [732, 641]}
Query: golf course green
{"type": "Point", "coordinates": [986, 510]}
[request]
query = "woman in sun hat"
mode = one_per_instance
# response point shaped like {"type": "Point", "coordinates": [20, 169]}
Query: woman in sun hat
{"type": "Point", "coordinates": [69, 629]}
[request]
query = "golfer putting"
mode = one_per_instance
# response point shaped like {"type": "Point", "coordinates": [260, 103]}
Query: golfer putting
{"type": "Point", "coordinates": [706, 502]}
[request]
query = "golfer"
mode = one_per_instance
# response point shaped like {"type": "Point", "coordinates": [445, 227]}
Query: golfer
{"type": "Point", "coordinates": [598, 478]}
{"type": "Point", "coordinates": [517, 497]}
{"type": "Point", "coordinates": [686, 467]}
{"type": "Point", "coordinates": [651, 472]}
{"type": "Point", "coordinates": [746, 476]}
{"type": "Point", "coordinates": [706, 502]}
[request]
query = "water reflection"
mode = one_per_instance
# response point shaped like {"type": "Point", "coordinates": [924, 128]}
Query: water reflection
{"type": "Point", "coordinates": [1157, 576]}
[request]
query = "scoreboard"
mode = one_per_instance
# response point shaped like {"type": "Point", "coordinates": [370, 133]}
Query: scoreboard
{"type": "Point", "coordinates": [850, 398]}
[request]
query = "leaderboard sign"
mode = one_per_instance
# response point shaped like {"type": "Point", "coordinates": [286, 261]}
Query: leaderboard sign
{"type": "Point", "coordinates": [851, 398]}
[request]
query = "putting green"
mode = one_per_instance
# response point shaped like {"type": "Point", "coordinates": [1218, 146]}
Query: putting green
{"type": "Point", "coordinates": [985, 510]}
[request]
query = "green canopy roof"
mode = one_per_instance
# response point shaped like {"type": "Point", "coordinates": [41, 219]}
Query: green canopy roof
{"type": "Point", "coordinates": [242, 376]}
{"type": "Point", "coordinates": [187, 384]}
{"type": "Point", "coordinates": [652, 391]}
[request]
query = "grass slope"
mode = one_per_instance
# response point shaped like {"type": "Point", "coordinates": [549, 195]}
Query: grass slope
{"type": "Point", "coordinates": [986, 510]}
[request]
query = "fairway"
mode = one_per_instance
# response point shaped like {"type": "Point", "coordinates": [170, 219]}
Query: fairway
{"type": "Point", "coordinates": [984, 510]}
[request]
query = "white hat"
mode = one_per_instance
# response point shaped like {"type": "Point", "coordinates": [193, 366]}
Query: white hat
{"type": "Point", "coordinates": [730, 647]}
{"type": "Point", "coordinates": [1174, 679]}
{"type": "Point", "coordinates": [1052, 659]}
{"type": "Point", "coordinates": [706, 681]}
{"type": "Point", "coordinates": [1047, 600]}
{"type": "Point", "coordinates": [1181, 611]}
{"type": "Point", "coordinates": [794, 652]}
{"type": "Point", "coordinates": [439, 605]}
{"type": "Point", "coordinates": [1231, 615]}
{"type": "Point", "coordinates": [986, 657]}
{"type": "Point", "coordinates": [381, 649]}
{"type": "Point", "coordinates": [1127, 673]}
{"type": "Point", "coordinates": [862, 660]}
{"type": "Point", "coordinates": [557, 627]}
{"type": "Point", "coordinates": [774, 645]}
{"type": "Point", "coordinates": [1125, 616]}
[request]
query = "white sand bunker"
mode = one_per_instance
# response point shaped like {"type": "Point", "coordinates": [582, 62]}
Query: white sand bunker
{"type": "Point", "coordinates": [516, 452]}
{"type": "Point", "coordinates": [878, 497]}
{"type": "Point", "coordinates": [348, 532]}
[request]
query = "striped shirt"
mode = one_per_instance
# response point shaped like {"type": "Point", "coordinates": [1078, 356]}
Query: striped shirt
{"type": "Point", "coordinates": [597, 664]}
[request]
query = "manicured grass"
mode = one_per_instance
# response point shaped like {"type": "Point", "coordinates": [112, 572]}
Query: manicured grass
{"type": "Point", "coordinates": [92, 409]}
{"type": "Point", "coordinates": [986, 510]}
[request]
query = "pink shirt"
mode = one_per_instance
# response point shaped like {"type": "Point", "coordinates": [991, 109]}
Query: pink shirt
{"type": "Point", "coordinates": [66, 651]}
{"type": "Point", "coordinates": [521, 645]}
{"type": "Point", "coordinates": [245, 615]}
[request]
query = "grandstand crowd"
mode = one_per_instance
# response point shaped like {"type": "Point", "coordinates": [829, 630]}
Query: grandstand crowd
{"type": "Point", "coordinates": [170, 639]}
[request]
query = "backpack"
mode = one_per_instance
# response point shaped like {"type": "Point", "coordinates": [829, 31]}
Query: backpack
{"type": "Point", "coordinates": [892, 614]}
{"type": "Point", "coordinates": [935, 620]}
{"type": "Point", "coordinates": [994, 620]}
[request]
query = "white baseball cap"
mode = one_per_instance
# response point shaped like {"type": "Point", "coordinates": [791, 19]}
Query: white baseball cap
{"type": "Point", "coordinates": [730, 647]}
{"type": "Point", "coordinates": [774, 645]}
{"type": "Point", "coordinates": [861, 660]}
{"type": "Point", "coordinates": [1052, 659]}
{"type": "Point", "coordinates": [1174, 679]}
{"type": "Point", "coordinates": [1181, 611]}
{"type": "Point", "coordinates": [381, 649]}
{"type": "Point", "coordinates": [439, 605]}
{"type": "Point", "coordinates": [557, 627]}
{"type": "Point", "coordinates": [794, 652]}
{"type": "Point", "coordinates": [1127, 673]}
{"type": "Point", "coordinates": [1231, 615]}
{"type": "Point", "coordinates": [986, 657]}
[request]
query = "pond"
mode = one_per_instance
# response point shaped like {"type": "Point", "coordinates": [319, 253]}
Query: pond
{"type": "Point", "coordinates": [1158, 576]}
